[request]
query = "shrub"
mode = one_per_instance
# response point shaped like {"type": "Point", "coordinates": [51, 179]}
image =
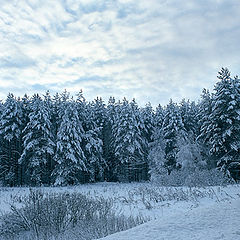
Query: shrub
{"type": "Point", "coordinates": [197, 178]}
{"type": "Point", "coordinates": [54, 215]}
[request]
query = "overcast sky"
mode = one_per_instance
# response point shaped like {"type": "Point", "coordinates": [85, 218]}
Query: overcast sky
{"type": "Point", "coordinates": [151, 50]}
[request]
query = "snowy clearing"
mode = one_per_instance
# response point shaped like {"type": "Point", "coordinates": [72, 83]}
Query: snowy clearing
{"type": "Point", "coordinates": [175, 213]}
{"type": "Point", "coordinates": [208, 222]}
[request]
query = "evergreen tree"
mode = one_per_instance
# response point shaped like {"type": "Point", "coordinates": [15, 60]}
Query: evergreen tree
{"type": "Point", "coordinates": [158, 117]}
{"type": "Point", "coordinates": [234, 166]}
{"type": "Point", "coordinates": [147, 116]}
{"type": "Point", "coordinates": [24, 178]}
{"type": "Point", "coordinates": [205, 109]}
{"type": "Point", "coordinates": [49, 105]}
{"type": "Point", "coordinates": [70, 158]}
{"type": "Point", "coordinates": [130, 145]}
{"type": "Point", "coordinates": [156, 147]}
{"type": "Point", "coordinates": [173, 134]}
{"type": "Point", "coordinates": [93, 141]}
{"type": "Point", "coordinates": [57, 113]}
{"type": "Point", "coordinates": [108, 141]}
{"type": "Point", "coordinates": [189, 114]}
{"type": "Point", "coordinates": [224, 125]}
{"type": "Point", "coordinates": [190, 155]}
{"type": "Point", "coordinates": [11, 126]}
{"type": "Point", "coordinates": [39, 143]}
{"type": "Point", "coordinates": [172, 130]}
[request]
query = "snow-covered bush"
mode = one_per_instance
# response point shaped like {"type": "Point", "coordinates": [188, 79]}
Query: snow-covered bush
{"type": "Point", "coordinates": [207, 178]}
{"type": "Point", "coordinates": [189, 156]}
{"type": "Point", "coordinates": [54, 215]}
{"type": "Point", "coordinates": [197, 178]}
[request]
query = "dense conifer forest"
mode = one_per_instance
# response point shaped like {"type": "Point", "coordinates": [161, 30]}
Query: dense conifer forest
{"type": "Point", "coordinates": [64, 140]}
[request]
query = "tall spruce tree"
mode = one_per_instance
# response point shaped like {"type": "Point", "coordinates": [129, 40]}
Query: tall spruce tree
{"type": "Point", "coordinates": [11, 126]}
{"type": "Point", "coordinates": [108, 141]}
{"type": "Point", "coordinates": [39, 146]}
{"type": "Point", "coordinates": [93, 141]}
{"type": "Point", "coordinates": [205, 109]}
{"type": "Point", "coordinates": [156, 147]}
{"type": "Point", "coordinates": [190, 156]}
{"type": "Point", "coordinates": [189, 114]}
{"type": "Point", "coordinates": [129, 143]}
{"type": "Point", "coordinates": [174, 134]}
{"type": "Point", "coordinates": [158, 117]}
{"type": "Point", "coordinates": [147, 117]}
{"type": "Point", "coordinates": [71, 162]}
{"type": "Point", "coordinates": [224, 125]}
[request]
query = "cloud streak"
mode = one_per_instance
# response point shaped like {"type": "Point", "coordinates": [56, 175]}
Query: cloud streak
{"type": "Point", "coordinates": [152, 50]}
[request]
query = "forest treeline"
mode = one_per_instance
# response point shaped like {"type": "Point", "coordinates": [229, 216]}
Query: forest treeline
{"type": "Point", "coordinates": [63, 140]}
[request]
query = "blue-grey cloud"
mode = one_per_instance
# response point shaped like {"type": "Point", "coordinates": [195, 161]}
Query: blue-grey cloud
{"type": "Point", "coordinates": [20, 61]}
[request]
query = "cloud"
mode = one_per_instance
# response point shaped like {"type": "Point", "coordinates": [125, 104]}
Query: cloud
{"type": "Point", "coordinates": [149, 50]}
{"type": "Point", "coordinates": [19, 61]}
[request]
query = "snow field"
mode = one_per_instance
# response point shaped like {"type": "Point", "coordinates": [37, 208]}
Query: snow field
{"type": "Point", "coordinates": [208, 222]}
{"type": "Point", "coordinates": [174, 213]}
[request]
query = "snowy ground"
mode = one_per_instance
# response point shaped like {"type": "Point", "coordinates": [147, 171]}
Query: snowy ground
{"type": "Point", "coordinates": [206, 222]}
{"type": "Point", "coordinates": [176, 213]}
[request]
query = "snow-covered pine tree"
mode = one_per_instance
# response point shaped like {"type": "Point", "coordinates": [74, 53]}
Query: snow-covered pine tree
{"type": "Point", "coordinates": [26, 109]}
{"type": "Point", "coordinates": [205, 109]}
{"type": "Point", "coordinates": [2, 158]}
{"type": "Point", "coordinates": [174, 135]}
{"type": "Point", "coordinates": [11, 126]}
{"type": "Point", "coordinates": [189, 114]}
{"type": "Point", "coordinates": [1, 107]}
{"type": "Point", "coordinates": [147, 126]}
{"type": "Point", "coordinates": [39, 143]}
{"type": "Point", "coordinates": [99, 109]}
{"type": "Point", "coordinates": [129, 143]}
{"type": "Point", "coordinates": [49, 105]}
{"type": "Point", "coordinates": [94, 120]}
{"type": "Point", "coordinates": [147, 116]}
{"type": "Point", "coordinates": [234, 166]}
{"type": "Point", "coordinates": [56, 105]}
{"type": "Point", "coordinates": [224, 125]}
{"type": "Point", "coordinates": [70, 159]}
{"type": "Point", "coordinates": [190, 153]}
{"type": "Point", "coordinates": [57, 113]}
{"type": "Point", "coordinates": [156, 147]}
{"type": "Point", "coordinates": [108, 141]}
{"type": "Point", "coordinates": [158, 117]}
